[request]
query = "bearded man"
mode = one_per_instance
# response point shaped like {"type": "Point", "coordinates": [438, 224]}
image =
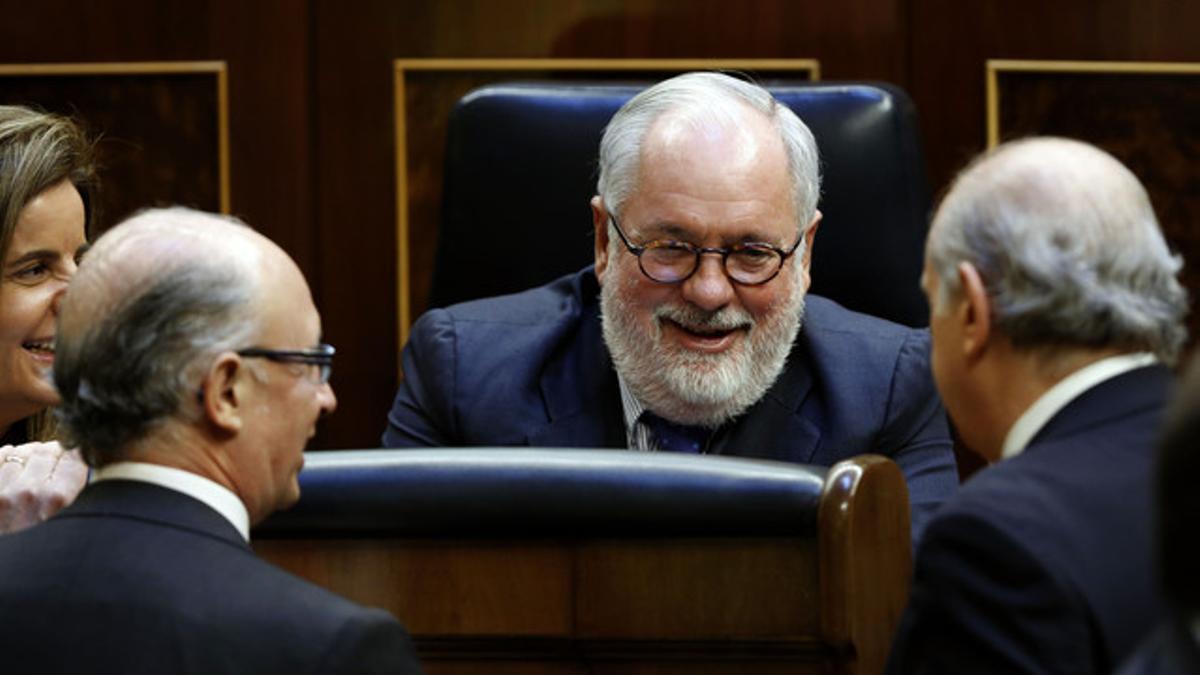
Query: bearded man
{"type": "Point", "coordinates": [692, 332]}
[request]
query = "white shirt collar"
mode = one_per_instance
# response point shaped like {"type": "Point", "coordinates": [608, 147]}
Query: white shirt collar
{"type": "Point", "coordinates": [1063, 392]}
{"type": "Point", "coordinates": [218, 497]}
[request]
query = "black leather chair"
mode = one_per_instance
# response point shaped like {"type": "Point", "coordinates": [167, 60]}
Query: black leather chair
{"type": "Point", "coordinates": [569, 561]}
{"type": "Point", "coordinates": [520, 168]}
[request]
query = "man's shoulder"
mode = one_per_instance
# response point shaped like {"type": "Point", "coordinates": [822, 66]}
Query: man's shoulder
{"type": "Point", "coordinates": [562, 299]}
{"type": "Point", "coordinates": [521, 329]}
{"type": "Point", "coordinates": [1059, 500]}
{"type": "Point", "coordinates": [848, 348]}
{"type": "Point", "coordinates": [825, 317]}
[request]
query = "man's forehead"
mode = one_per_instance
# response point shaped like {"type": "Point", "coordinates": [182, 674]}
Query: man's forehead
{"type": "Point", "coordinates": [691, 131]}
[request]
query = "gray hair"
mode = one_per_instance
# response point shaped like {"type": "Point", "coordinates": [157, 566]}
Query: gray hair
{"type": "Point", "coordinates": [704, 98]}
{"type": "Point", "coordinates": [127, 363]}
{"type": "Point", "coordinates": [1067, 245]}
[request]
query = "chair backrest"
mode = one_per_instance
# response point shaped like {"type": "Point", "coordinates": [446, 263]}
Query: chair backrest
{"type": "Point", "coordinates": [567, 560]}
{"type": "Point", "coordinates": [520, 168]}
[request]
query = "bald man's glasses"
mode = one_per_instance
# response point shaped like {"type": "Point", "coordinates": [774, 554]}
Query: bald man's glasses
{"type": "Point", "coordinates": [671, 262]}
{"type": "Point", "coordinates": [320, 356]}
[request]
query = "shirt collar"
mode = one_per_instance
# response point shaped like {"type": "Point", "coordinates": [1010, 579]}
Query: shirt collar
{"type": "Point", "coordinates": [1063, 392]}
{"type": "Point", "coordinates": [636, 434]}
{"type": "Point", "coordinates": [218, 497]}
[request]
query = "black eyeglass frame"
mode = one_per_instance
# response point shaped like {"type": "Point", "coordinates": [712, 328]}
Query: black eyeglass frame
{"type": "Point", "coordinates": [698, 251]}
{"type": "Point", "coordinates": [320, 356]}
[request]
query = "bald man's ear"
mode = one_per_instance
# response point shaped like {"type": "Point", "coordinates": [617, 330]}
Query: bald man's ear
{"type": "Point", "coordinates": [600, 225]}
{"type": "Point", "coordinates": [222, 395]}
{"type": "Point", "coordinates": [975, 312]}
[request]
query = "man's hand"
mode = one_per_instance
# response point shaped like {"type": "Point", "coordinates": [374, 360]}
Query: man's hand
{"type": "Point", "coordinates": [36, 480]}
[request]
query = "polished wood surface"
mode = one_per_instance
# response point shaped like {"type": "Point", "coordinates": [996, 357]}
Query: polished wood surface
{"type": "Point", "coordinates": [312, 124]}
{"type": "Point", "coordinates": [787, 604]}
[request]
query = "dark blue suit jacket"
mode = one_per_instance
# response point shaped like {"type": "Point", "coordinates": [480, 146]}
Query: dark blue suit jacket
{"type": "Point", "coordinates": [532, 369]}
{"type": "Point", "coordinates": [135, 578]}
{"type": "Point", "coordinates": [1170, 649]}
{"type": "Point", "coordinates": [1042, 563]}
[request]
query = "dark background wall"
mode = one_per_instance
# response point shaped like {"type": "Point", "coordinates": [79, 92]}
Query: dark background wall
{"type": "Point", "coordinates": [310, 99]}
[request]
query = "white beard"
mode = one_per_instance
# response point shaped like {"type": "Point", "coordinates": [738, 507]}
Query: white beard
{"type": "Point", "coordinates": [697, 388]}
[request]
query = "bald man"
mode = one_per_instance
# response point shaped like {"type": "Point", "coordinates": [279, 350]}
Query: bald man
{"type": "Point", "coordinates": [192, 375]}
{"type": "Point", "coordinates": [1055, 312]}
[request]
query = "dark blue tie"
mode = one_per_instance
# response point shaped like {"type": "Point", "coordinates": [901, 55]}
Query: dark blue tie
{"type": "Point", "coordinates": [673, 437]}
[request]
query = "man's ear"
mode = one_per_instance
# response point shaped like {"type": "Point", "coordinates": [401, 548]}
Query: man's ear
{"type": "Point", "coordinates": [600, 225]}
{"type": "Point", "coordinates": [223, 393]}
{"type": "Point", "coordinates": [975, 312]}
{"type": "Point", "coordinates": [810, 236]}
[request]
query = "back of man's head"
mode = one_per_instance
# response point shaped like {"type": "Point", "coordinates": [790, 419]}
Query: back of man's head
{"type": "Point", "coordinates": [1065, 241]}
{"type": "Point", "coordinates": [155, 299]}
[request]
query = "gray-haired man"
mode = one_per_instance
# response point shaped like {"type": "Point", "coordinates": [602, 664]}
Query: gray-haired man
{"type": "Point", "coordinates": [694, 330]}
{"type": "Point", "coordinates": [1055, 308]}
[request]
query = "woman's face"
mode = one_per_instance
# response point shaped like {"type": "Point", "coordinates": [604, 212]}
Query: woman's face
{"type": "Point", "coordinates": [46, 245]}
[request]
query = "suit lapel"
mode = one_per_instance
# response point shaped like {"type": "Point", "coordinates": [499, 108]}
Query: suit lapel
{"type": "Point", "coordinates": [784, 424]}
{"type": "Point", "coordinates": [579, 385]}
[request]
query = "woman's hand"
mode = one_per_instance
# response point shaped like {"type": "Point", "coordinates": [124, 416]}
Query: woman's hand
{"type": "Point", "coordinates": [36, 480]}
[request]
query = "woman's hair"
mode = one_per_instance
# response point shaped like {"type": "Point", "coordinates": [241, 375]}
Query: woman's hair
{"type": "Point", "coordinates": [38, 150]}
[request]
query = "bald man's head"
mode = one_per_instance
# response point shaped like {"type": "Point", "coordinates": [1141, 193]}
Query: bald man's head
{"type": "Point", "coordinates": [1065, 241]}
{"type": "Point", "coordinates": [155, 300]}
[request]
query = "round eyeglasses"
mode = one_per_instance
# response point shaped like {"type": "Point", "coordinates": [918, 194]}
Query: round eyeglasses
{"type": "Point", "coordinates": [671, 262]}
{"type": "Point", "coordinates": [320, 356]}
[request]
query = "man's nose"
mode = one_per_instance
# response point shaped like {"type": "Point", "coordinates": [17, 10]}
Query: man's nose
{"type": "Point", "coordinates": [709, 288]}
{"type": "Point", "coordinates": [327, 399]}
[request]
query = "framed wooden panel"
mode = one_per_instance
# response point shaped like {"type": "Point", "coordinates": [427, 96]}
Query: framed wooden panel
{"type": "Point", "coordinates": [162, 127]}
{"type": "Point", "coordinates": [426, 90]}
{"type": "Point", "coordinates": [1146, 114]}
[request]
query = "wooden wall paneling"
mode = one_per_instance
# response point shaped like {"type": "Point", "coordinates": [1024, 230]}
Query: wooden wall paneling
{"type": "Point", "coordinates": [267, 48]}
{"type": "Point", "coordinates": [1145, 114]}
{"type": "Point", "coordinates": [162, 127]}
{"type": "Point", "coordinates": [950, 42]}
{"type": "Point", "coordinates": [425, 91]}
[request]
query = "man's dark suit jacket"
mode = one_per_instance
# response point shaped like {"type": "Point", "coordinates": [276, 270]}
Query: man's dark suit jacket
{"type": "Point", "coordinates": [1170, 649]}
{"type": "Point", "coordinates": [135, 578]}
{"type": "Point", "coordinates": [1042, 563]}
{"type": "Point", "coordinates": [532, 369]}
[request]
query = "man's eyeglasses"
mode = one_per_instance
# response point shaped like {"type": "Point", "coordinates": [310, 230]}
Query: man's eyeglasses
{"type": "Point", "coordinates": [320, 356]}
{"type": "Point", "coordinates": [672, 262]}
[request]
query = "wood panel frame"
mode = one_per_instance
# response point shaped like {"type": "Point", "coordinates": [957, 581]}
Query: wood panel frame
{"type": "Point", "coordinates": [133, 68]}
{"type": "Point", "coordinates": [995, 68]}
{"type": "Point", "coordinates": [493, 70]}
{"type": "Point", "coordinates": [1137, 111]}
